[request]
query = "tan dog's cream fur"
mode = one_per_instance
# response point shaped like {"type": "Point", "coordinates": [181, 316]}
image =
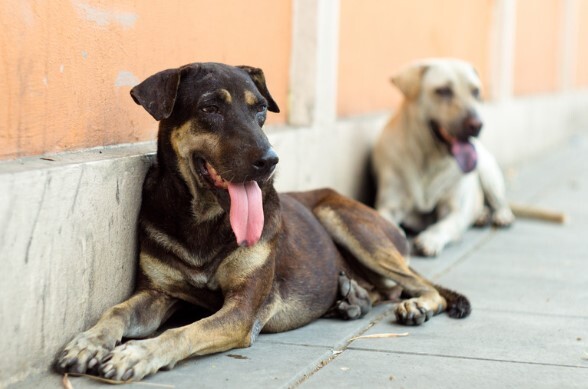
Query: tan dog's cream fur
{"type": "Point", "coordinates": [417, 176]}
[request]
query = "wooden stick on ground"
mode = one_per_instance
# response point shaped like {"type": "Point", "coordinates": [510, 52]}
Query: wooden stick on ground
{"type": "Point", "coordinates": [532, 212]}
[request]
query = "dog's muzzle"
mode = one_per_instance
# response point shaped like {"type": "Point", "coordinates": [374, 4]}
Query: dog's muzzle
{"type": "Point", "coordinates": [266, 164]}
{"type": "Point", "coordinates": [459, 145]}
{"type": "Point", "coordinates": [472, 126]}
{"type": "Point", "coordinates": [246, 197]}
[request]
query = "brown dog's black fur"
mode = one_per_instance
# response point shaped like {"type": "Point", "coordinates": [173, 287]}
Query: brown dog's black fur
{"type": "Point", "coordinates": [318, 250]}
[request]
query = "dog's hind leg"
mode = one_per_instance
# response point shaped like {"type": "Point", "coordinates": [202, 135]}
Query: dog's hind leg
{"type": "Point", "coordinates": [355, 301]}
{"type": "Point", "coordinates": [137, 317]}
{"type": "Point", "coordinates": [492, 183]}
{"type": "Point", "coordinates": [381, 247]}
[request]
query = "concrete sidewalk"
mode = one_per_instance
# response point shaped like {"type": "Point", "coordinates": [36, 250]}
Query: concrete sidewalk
{"type": "Point", "coordinates": [529, 326]}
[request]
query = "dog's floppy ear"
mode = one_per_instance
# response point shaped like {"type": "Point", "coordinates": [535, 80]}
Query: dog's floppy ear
{"type": "Point", "coordinates": [157, 94]}
{"type": "Point", "coordinates": [258, 78]}
{"type": "Point", "coordinates": [408, 80]}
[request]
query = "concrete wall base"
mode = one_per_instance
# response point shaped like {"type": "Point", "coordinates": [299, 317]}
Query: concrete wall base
{"type": "Point", "coordinates": [67, 248]}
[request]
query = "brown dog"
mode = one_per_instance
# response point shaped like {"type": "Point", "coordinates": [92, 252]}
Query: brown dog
{"type": "Point", "coordinates": [214, 233]}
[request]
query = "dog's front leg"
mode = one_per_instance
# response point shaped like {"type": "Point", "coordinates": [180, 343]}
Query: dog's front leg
{"type": "Point", "coordinates": [229, 328]}
{"type": "Point", "coordinates": [246, 279]}
{"type": "Point", "coordinates": [494, 189]}
{"type": "Point", "coordinates": [234, 326]}
{"type": "Point", "coordinates": [137, 317]}
{"type": "Point", "coordinates": [392, 200]}
{"type": "Point", "coordinates": [457, 212]}
{"type": "Point", "coordinates": [431, 242]}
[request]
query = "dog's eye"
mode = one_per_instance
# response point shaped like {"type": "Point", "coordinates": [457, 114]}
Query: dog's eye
{"type": "Point", "coordinates": [445, 91]}
{"type": "Point", "coordinates": [476, 93]}
{"type": "Point", "coordinates": [210, 109]}
{"type": "Point", "coordinates": [262, 108]}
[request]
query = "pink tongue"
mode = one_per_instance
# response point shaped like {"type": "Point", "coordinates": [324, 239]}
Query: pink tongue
{"type": "Point", "coordinates": [246, 213]}
{"type": "Point", "coordinates": [465, 154]}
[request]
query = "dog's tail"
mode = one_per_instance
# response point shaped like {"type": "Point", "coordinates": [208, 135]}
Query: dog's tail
{"type": "Point", "coordinates": [458, 305]}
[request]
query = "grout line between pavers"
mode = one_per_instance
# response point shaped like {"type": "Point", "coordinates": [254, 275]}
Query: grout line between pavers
{"type": "Point", "coordinates": [286, 343]}
{"type": "Point", "coordinates": [531, 313]}
{"type": "Point", "coordinates": [469, 358]}
{"type": "Point", "coordinates": [337, 350]}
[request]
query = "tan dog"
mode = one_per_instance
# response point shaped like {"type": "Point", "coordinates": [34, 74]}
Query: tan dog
{"type": "Point", "coordinates": [213, 232]}
{"type": "Point", "coordinates": [434, 176]}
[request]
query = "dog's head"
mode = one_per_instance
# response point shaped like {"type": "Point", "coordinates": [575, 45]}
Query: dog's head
{"type": "Point", "coordinates": [211, 117]}
{"type": "Point", "coordinates": [446, 94]}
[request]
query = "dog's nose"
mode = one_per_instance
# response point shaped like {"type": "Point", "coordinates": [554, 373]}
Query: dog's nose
{"type": "Point", "coordinates": [473, 125]}
{"type": "Point", "coordinates": [266, 163]}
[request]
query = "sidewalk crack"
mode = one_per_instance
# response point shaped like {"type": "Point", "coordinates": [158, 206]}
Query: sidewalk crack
{"type": "Point", "coordinates": [337, 350]}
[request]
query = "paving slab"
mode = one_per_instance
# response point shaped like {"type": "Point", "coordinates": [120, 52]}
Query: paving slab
{"type": "Point", "coordinates": [536, 176]}
{"type": "Point", "coordinates": [471, 241]}
{"type": "Point", "coordinates": [262, 366]}
{"type": "Point", "coordinates": [370, 369]}
{"type": "Point", "coordinates": [331, 333]}
{"type": "Point", "coordinates": [525, 273]}
{"type": "Point", "coordinates": [492, 335]}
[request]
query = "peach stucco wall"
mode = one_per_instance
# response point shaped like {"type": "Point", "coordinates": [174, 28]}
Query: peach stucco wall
{"type": "Point", "coordinates": [537, 45]}
{"type": "Point", "coordinates": [581, 49]}
{"type": "Point", "coordinates": [68, 65]}
{"type": "Point", "coordinates": [377, 40]}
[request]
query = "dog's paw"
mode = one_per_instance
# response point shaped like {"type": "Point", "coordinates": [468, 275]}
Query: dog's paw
{"type": "Point", "coordinates": [484, 218]}
{"type": "Point", "coordinates": [428, 244]}
{"type": "Point", "coordinates": [348, 311]}
{"type": "Point", "coordinates": [131, 362]}
{"type": "Point", "coordinates": [355, 301]}
{"type": "Point", "coordinates": [414, 311]}
{"type": "Point", "coordinates": [83, 353]}
{"type": "Point", "coordinates": [503, 218]}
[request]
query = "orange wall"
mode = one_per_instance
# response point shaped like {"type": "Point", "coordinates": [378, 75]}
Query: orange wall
{"type": "Point", "coordinates": [537, 46]}
{"type": "Point", "coordinates": [67, 66]}
{"type": "Point", "coordinates": [377, 40]}
{"type": "Point", "coordinates": [581, 69]}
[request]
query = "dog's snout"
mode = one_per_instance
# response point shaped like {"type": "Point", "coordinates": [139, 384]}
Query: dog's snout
{"type": "Point", "coordinates": [473, 125]}
{"type": "Point", "coordinates": [267, 162]}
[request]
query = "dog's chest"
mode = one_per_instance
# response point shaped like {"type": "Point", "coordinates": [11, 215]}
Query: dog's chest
{"type": "Point", "coordinates": [433, 183]}
{"type": "Point", "coordinates": [177, 277]}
